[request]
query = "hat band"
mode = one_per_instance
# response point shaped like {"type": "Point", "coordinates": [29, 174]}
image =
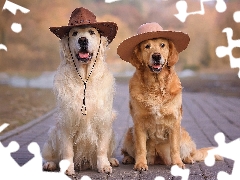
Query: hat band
{"type": "Point", "coordinates": [80, 22]}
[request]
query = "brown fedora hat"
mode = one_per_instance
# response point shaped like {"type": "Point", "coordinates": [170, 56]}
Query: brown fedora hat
{"type": "Point", "coordinates": [82, 17]}
{"type": "Point", "coordinates": [151, 31]}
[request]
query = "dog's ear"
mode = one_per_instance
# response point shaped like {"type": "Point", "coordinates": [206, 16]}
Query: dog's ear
{"type": "Point", "coordinates": [104, 41]}
{"type": "Point", "coordinates": [136, 59]}
{"type": "Point", "coordinates": [173, 55]}
{"type": "Point", "coordinates": [103, 46]}
{"type": "Point", "coordinates": [64, 50]}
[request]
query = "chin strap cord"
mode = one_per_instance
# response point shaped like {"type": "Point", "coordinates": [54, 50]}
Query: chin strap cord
{"type": "Point", "coordinates": [84, 107]}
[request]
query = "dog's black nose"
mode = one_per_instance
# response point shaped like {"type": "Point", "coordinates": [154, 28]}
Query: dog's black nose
{"type": "Point", "coordinates": [83, 42]}
{"type": "Point", "coordinates": [156, 56]}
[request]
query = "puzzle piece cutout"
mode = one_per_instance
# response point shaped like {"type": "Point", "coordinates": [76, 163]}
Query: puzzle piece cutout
{"type": "Point", "coordinates": [2, 46]}
{"type": "Point", "coordinates": [7, 163]}
{"type": "Point", "coordinates": [3, 126]}
{"type": "Point", "coordinates": [222, 51]}
{"type": "Point", "coordinates": [85, 178]}
{"type": "Point", "coordinates": [111, 1]}
{"type": "Point", "coordinates": [182, 9]}
{"type": "Point", "coordinates": [12, 7]}
{"type": "Point", "coordinates": [159, 178]}
{"type": "Point", "coordinates": [32, 169]}
{"type": "Point", "coordinates": [177, 171]}
{"type": "Point", "coordinates": [16, 27]}
{"type": "Point", "coordinates": [236, 16]}
{"type": "Point", "coordinates": [10, 170]}
{"type": "Point", "coordinates": [228, 150]}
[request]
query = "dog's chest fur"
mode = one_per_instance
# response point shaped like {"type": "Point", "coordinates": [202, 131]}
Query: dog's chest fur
{"type": "Point", "coordinates": [69, 89]}
{"type": "Point", "coordinates": [154, 99]}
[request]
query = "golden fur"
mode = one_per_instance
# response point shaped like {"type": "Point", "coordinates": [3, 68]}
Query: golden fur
{"type": "Point", "coordinates": [87, 141]}
{"type": "Point", "coordinates": [156, 110]}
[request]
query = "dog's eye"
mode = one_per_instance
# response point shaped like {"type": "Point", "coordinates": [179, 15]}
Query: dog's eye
{"type": "Point", "coordinates": [162, 45]}
{"type": "Point", "coordinates": [74, 33]}
{"type": "Point", "coordinates": [147, 46]}
{"type": "Point", "coordinates": [91, 32]}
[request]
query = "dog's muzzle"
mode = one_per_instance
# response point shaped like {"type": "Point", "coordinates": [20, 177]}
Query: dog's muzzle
{"type": "Point", "coordinates": [83, 42]}
{"type": "Point", "coordinates": [156, 65]}
{"type": "Point", "coordinates": [83, 55]}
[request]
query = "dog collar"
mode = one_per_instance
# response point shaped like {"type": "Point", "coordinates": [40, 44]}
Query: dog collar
{"type": "Point", "coordinates": [84, 107]}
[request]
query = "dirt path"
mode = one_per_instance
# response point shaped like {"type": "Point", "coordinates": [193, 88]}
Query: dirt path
{"type": "Point", "coordinates": [21, 105]}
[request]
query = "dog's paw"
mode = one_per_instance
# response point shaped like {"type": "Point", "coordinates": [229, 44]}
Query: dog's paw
{"type": "Point", "coordinates": [103, 165]}
{"type": "Point", "coordinates": [105, 169]}
{"type": "Point", "coordinates": [70, 171]}
{"type": "Point", "coordinates": [128, 160]}
{"type": "Point", "coordinates": [178, 161]}
{"type": "Point", "coordinates": [49, 166]}
{"type": "Point", "coordinates": [188, 160]}
{"type": "Point", "coordinates": [114, 162]}
{"type": "Point", "coordinates": [140, 167]}
{"type": "Point", "coordinates": [180, 165]}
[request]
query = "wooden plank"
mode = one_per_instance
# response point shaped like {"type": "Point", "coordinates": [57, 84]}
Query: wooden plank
{"type": "Point", "coordinates": [217, 117]}
{"type": "Point", "coordinates": [201, 120]}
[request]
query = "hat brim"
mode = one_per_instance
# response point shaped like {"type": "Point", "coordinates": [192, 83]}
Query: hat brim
{"type": "Point", "coordinates": [107, 29]}
{"type": "Point", "coordinates": [126, 48]}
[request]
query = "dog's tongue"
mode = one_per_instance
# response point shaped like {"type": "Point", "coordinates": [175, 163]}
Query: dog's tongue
{"type": "Point", "coordinates": [156, 66]}
{"type": "Point", "coordinates": [83, 55]}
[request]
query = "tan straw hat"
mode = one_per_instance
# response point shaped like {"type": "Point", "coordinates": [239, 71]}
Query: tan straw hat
{"type": "Point", "coordinates": [82, 17]}
{"type": "Point", "coordinates": [151, 31]}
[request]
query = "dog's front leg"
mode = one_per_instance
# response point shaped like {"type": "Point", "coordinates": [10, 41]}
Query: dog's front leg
{"type": "Point", "coordinates": [66, 146]}
{"type": "Point", "coordinates": [140, 146]}
{"type": "Point", "coordinates": [151, 152]}
{"type": "Point", "coordinates": [103, 165]}
{"type": "Point", "coordinates": [174, 138]}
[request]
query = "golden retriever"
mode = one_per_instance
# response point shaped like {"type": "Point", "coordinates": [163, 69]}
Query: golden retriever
{"type": "Point", "coordinates": [83, 132]}
{"type": "Point", "coordinates": [156, 110]}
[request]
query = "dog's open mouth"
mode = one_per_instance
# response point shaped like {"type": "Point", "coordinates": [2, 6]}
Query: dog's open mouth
{"type": "Point", "coordinates": [156, 67]}
{"type": "Point", "coordinates": [84, 56]}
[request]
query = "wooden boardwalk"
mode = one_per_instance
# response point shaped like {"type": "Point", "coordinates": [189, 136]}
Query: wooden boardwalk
{"type": "Point", "coordinates": [204, 115]}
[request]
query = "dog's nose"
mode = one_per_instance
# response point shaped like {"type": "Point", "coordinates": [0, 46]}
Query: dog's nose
{"type": "Point", "coordinates": [156, 56]}
{"type": "Point", "coordinates": [83, 41]}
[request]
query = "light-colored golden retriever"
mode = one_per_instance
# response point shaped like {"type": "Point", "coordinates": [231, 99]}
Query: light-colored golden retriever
{"type": "Point", "coordinates": [156, 109]}
{"type": "Point", "coordinates": [83, 132]}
